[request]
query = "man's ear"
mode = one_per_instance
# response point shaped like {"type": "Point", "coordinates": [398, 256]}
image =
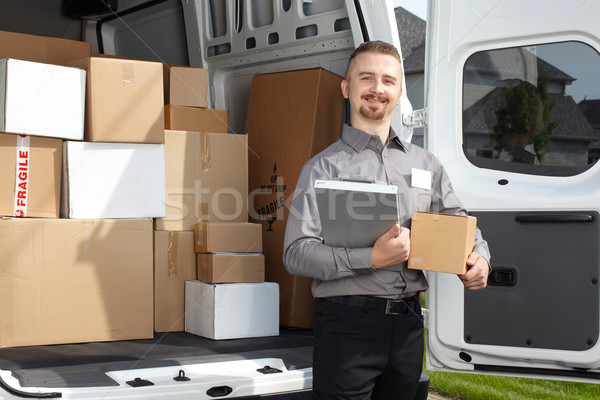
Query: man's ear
{"type": "Point", "coordinates": [399, 97]}
{"type": "Point", "coordinates": [345, 89]}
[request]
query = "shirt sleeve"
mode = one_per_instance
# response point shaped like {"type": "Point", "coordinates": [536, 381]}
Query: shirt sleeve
{"type": "Point", "coordinates": [445, 200]}
{"type": "Point", "coordinates": [305, 253]}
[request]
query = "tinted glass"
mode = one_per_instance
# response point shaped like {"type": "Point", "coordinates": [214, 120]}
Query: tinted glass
{"type": "Point", "coordinates": [533, 110]}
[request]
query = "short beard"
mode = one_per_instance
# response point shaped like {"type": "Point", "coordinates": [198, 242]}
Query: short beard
{"type": "Point", "coordinates": [372, 114]}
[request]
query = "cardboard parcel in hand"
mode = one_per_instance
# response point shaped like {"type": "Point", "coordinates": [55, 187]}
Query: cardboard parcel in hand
{"type": "Point", "coordinates": [441, 242]}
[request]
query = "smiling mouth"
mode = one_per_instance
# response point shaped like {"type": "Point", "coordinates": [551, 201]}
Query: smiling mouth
{"type": "Point", "coordinates": [375, 100]}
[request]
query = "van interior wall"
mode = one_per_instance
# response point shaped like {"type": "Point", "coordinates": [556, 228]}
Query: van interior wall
{"type": "Point", "coordinates": [39, 17]}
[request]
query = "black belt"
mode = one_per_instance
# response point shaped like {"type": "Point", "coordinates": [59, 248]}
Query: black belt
{"type": "Point", "coordinates": [378, 304]}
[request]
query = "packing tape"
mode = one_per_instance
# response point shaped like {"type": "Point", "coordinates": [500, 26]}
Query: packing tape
{"type": "Point", "coordinates": [22, 169]}
{"type": "Point", "coordinates": [202, 235]}
{"type": "Point", "coordinates": [127, 75]}
{"type": "Point", "coordinates": [172, 254]}
{"type": "Point", "coordinates": [205, 156]}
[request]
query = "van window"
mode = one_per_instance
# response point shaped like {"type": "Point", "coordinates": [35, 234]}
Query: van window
{"type": "Point", "coordinates": [533, 110]}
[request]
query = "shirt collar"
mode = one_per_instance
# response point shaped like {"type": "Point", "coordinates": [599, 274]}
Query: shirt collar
{"type": "Point", "coordinates": [358, 139]}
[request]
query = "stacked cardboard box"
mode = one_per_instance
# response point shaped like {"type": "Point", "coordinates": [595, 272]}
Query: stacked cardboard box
{"type": "Point", "coordinates": [229, 252]}
{"type": "Point", "coordinates": [230, 292]}
{"type": "Point", "coordinates": [174, 264]}
{"type": "Point", "coordinates": [232, 310]}
{"type": "Point", "coordinates": [291, 117]}
{"type": "Point", "coordinates": [118, 172]}
{"type": "Point", "coordinates": [66, 280]}
{"type": "Point", "coordinates": [207, 186]}
{"type": "Point", "coordinates": [186, 101]}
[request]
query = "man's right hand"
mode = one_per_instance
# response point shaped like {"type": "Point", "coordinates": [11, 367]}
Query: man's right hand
{"type": "Point", "coordinates": [392, 248]}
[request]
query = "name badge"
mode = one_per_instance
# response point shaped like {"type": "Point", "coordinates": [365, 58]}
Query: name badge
{"type": "Point", "coordinates": [421, 179]}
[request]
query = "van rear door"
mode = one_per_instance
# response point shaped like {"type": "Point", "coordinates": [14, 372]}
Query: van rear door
{"type": "Point", "coordinates": [512, 95]}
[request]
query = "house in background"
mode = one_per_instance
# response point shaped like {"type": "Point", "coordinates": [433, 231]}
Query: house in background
{"type": "Point", "coordinates": [411, 30]}
{"type": "Point", "coordinates": [574, 143]}
{"type": "Point", "coordinates": [591, 110]}
{"type": "Point", "coordinates": [487, 76]}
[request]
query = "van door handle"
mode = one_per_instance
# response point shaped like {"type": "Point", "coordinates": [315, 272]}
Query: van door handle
{"type": "Point", "coordinates": [554, 218]}
{"type": "Point", "coordinates": [502, 277]}
{"type": "Point", "coordinates": [219, 391]}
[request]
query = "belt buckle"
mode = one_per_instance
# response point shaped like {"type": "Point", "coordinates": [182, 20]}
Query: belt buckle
{"type": "Point", "coordinates": [388, 306]}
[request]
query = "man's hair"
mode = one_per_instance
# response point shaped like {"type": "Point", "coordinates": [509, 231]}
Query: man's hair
{"type": "Point", "coordinates": [375, 46]}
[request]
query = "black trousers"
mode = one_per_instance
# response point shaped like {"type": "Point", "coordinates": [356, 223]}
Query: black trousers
{"type": "Point", "coordinates": [363, 353]}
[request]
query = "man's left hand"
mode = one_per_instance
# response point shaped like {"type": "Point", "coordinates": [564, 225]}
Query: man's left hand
{"type": "Point", "coordinates": [477, 272]}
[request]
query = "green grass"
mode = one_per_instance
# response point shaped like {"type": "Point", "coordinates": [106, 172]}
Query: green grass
{"type": "Point", "coordinates": [485, 387]}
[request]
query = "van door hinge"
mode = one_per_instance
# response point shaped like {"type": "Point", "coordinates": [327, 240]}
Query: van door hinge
{"type": "Point", "coordinates": [416, 119]}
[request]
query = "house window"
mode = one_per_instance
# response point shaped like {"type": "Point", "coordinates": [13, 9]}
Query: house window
{"type": "Point", "coordinates": [534, 109]}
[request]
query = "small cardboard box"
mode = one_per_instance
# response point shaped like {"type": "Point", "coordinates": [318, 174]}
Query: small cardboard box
{"type": "Point", "coordinates": [231, 267]}
{"type": "Point", "coordinates": [41, 99]}
{"type": "Point", "coordinates": [30, 174]}
{"type": "Point", "coordinates": [234, 237]}
{"type": "Point", "coordinates": [180, 118]}
{"type": "Point", "coordinates": [124, 100]}
{"type": "Point", "coordinates": [185, 86]}
{"type": "Point", "coordinates": [113, 180]}
{"type": "Point", "coordinates": [232, 311]}
{"type": "Point", "coordinates": [441, 242]}
{"type": "Point", "coordinates": [174, 263]}
{"type": "Point", "coordinates": [42, 49]}
{"type": "Point", "coordinates": [206, 179]}
{"type": "Point", "coordinates": [292, 116]}
{"type": "Point", "coordinates": [70, 281]}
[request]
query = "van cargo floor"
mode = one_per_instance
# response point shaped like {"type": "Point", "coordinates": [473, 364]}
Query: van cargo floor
{"type": "Point", "coordinates": [85, 364]}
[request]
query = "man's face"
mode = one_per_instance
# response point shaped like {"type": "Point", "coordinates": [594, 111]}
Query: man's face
{"type": "Point", "coordinates": [374, 85]}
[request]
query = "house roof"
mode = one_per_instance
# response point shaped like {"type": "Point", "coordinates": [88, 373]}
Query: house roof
{"type": "Point", "coordinates": [480, 117]}
{"type": "Point", "coordinates": [411, 30]}
{"type": "Point", "coordinates": [510, 61]}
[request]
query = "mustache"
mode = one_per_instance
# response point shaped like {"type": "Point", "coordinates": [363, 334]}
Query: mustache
{"type": "Point", "coordinates": [376, 97]}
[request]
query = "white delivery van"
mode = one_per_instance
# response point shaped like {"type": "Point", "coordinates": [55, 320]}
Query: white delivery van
{"type": "Point", "coordinates": [536, 199]}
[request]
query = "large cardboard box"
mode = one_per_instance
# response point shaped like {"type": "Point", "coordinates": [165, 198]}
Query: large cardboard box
{"type": "Point", "coordinates": [292, 116]}
{"type": "Point", "coordinates": [180, 118]}
{"type": "Point", "coordinates": [231, 267]}
{"type": "Point", "coordinates": [174, 263]}
{"type": "Point", "coordinates": [441, 242]}
{"type": "Point", "coordinates": [124, 100]}
{"type": "Point", "coordinates": [68, 281]}
{"type": "Point", "coordinates": [206, 179]}
{"type": "Point", "coordinates": [41, 49]}
{"type": "Point", "coordinates": [30, 174]}
{"type": "Point", "coordinates": [233, 237]}
{"type": "Point", "coordinates": [232, 311]}
{"type": "Point", "coordinates": [185, 86]}
{"type": "Point", "coordinates": [113, 180]}
{"type": "Point", "coordinates": [41, 99]}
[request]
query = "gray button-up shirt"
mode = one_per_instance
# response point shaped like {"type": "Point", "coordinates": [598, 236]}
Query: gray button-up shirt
{"type": "Point", "coordinates": [342, 271]}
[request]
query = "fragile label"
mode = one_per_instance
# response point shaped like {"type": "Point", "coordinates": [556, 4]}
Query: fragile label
{"type": "Point", "coordinates": [22, 176]}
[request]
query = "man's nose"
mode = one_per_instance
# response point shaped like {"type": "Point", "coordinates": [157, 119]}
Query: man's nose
{"type": "Point", "coordinates": [377, 86]}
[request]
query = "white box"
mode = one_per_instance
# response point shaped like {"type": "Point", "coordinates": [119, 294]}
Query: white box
{"type": "Point", "coordinates": [232, 310]}
{"type": "Point", "coordinates": [113, 180]}
{"type": "Point", "coordinates": [41, 99]}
